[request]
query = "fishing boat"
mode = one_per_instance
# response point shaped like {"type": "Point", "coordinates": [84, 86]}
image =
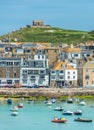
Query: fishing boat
{"type": "Point", "coordinates": [59, 108]}
{"type": "Point", "coordinates": [83, 120]}
{"type": "Point", "coordinates": [78, 112]}
{"type": "Point", "coordinates": [56, 120]}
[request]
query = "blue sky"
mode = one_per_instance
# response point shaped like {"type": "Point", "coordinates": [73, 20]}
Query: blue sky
{"type": "Point", "coordinates": [67, 14]}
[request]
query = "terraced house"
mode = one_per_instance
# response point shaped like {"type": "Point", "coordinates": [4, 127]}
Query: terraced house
{"type": "Point", "coordinates": [35, 71]}
{"type": "Point", "coordinates": [9, 71]}
{"type": "Point", "coordinates": [63, 75]}
{"type": "Point", "coordinates": [86, 74]}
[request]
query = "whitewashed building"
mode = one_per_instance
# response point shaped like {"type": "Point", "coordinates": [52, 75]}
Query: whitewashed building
{"type": "Point", "coordinates": [63, 75]}
{"type": "Point", "coordinates": [35, 71]}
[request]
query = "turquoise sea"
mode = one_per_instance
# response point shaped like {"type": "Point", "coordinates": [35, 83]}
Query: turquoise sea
{"type": "Point", "coordinates": [38, 116]}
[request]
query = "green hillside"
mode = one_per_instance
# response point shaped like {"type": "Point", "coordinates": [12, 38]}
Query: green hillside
{"type": "Point", "coordinates": [51, 35]}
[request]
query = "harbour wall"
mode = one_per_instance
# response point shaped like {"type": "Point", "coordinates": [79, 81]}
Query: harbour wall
{"type": "Point", "coordinates": [46, 92]}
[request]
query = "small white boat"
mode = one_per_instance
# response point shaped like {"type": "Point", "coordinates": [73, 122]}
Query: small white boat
{"type": "Point", "coordinates": [59, 108]}
{"type": "Point", "coordinates": [14, 108]}
{"type": "Point", "coordinates": [48, 103]}
{"type": "Point", "coordinates": [30, 101]}
{"type": "Point", "coordinates": [67, 113]}
{"type": "Point", "coordinates": [14, 113]}
{"type": "Point", "coordinates": [78, 112]}
{"type": "Point", "coordinates": [82, 103]}
{"type": "Point", "coordinates": [20, 105]}
{"type": "Point", "coordinates": [70, 100]}
{"type": "Point", "coordinates": [53, 100]}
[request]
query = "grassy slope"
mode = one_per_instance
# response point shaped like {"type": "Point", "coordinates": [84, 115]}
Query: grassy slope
{"type": "Point", "coordinates": [45, 35]}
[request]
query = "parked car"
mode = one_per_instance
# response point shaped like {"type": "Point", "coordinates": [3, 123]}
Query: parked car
{"type": "Point", "coordinates": [33, 86]}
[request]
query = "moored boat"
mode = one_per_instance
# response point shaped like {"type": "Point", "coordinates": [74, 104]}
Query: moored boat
{"type": "Point", "coordinates": [78, 112]}
{"type": "Point", "coordinates": [48, 103]}
{"type": "Point", "coordinates": [59, 108]}
{"type": "Point", "coordinates": [67, 113]}
{"type": "Point", "coordinates": [83, 120]}
{"type": "Point", "coordinates": [14, 108]}
{"type": "Point", "coordinates": [70, 100]}
{"type": "Point", "coordinates": [53, 100]}
{"type": "Point", "coordinates": [14, 113]}
{"type": "Point", "coordinates": [82, 103]}
{"type": "Point", "coordinates": [9, 101]}
{"type": "Point", "coordinates": [20, 105]}
{"type": "Point", "coordinates": [56, 120]}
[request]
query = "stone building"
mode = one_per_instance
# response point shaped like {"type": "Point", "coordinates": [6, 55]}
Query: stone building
{"type": "Point", "coordinates": [38, 23]}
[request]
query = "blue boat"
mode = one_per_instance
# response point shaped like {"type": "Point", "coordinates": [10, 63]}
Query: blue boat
{"type": "Point", "coordinates": [9, 101]}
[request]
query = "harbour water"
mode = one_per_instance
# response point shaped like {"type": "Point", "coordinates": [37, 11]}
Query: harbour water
{"type": "Point", "coordinates": [38, 116]}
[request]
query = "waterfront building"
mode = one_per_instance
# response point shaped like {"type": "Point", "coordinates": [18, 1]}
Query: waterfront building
{"type": "Point", "coordinates": [86, 74]}
{"type": "Point", "coordinates": [9, 71]}
{"type": "Point", "coordinates": [63, 75]}
{"type": "Point", "coordinates": [35, 71]}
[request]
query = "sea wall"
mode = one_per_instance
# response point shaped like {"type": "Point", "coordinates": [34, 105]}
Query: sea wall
{"type": "Point", "coordinates": [46, 92]}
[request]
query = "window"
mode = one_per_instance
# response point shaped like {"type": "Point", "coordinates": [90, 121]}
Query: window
{"type": "Point", "coordinates": [93, 70]}
{"type": "Point", "coordinates": [86, 83]}
{"type": "Point", "coordinates": [24, 76]}
{"type": "Point", "coordinates": [73, 77]}
{"type": "Point", "coordinates": [76, 55]}
{"type": "Point", "coordinates": [40, 81]}
{"type": "Point", "coordinates": [68, 77]}
{"type": "Point", "coordinates": [16, 81]}
{"type": "Point", "coordinates": [87, 77]}
{"type": "Point", "coordinates": [42, 56]}
{"type": "Point", "coordinates": [73, 72]}
{"type": "Point", "coordinates": [42, 76]}
{"type": "Point", "coordinates": [32, 77]}
{"type": "Point", "coordinates": [61, 77]}
{"type": "Point", "coordinates": [15, 75]}
{"type": "Point", "coordinates": [61, 72]}
{"type": "Point", "coordinates": [14, 69]}
{"type": "Point", "coordinates": [24, 81]}
{"type": "Point", "coordinates": [16, 63]}
{"type": "Point", "coordinates": [86, 70]}
{"type": "Point", "coordinates": [92, 82]}
{"type": "Point", "coordinates": [9, 81]}
{"type": "Point", "coordinates": [24, 71]}
{"type": "Point", "coordinates": [38, 57]}
{"type": "Point", "coordinates": [53, 77]}
{"type": "Point", "coordinates": [42, 71]}
{"type": "Point", "coordinates": [7, 74]}
{"type": "Point", "coordinates": [36, 71]}
{"type": "Point", "coordinates": [68, 72]}
{"type": "Point", "coordinates": [30, 71]}
{"type": "Point", "coordinates": [52, 72]}
{"type": "Point", "coordinates": [32, 81]}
